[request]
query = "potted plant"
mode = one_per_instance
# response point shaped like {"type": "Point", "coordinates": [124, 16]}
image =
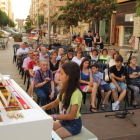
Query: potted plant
{"type": "Point", "coordinates": [17, 37]}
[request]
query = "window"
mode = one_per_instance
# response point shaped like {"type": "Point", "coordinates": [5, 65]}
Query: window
{"type": "Point", "coordinates": [128, 32]}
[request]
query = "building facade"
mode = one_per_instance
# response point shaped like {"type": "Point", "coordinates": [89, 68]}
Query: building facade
{"type": "Point", "coordinates": [20, 23]}
{"type": "Point", "coordinates": [40, 7]}
{"type": "Point", "coordinates": [123, 30]}
{"type": "Point", "coordinates": [4, 6]}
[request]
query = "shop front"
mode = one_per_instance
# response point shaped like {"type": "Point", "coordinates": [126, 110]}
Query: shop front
{"type": "Point", "coordinates": [104, 31]}
{"type": "Point", "coordinates": [124, 24]}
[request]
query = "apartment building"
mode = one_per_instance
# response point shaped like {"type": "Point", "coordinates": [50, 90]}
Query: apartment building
{"type": "Point", "coordinates": [41, 6]}
{"type": "Point", "coordinates": [10, 14]}
{"type": "Point", "coordinates": [4, 6]}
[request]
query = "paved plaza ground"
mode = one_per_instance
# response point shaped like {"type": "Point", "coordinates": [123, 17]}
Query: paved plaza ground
{"type": "Point", "coordinates": [109, 128]}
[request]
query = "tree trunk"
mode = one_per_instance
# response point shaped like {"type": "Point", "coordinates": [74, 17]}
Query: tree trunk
{"type": "Point", "coordinates": [97, 27]}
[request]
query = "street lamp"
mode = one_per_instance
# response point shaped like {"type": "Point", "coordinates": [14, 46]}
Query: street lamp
{"type": "Point", "coordinates": [37, 15]}
{"type": "Point", "coordinates": [49, 26]}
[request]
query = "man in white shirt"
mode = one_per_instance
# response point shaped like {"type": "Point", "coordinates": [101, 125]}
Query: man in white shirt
{"type": "Point", "coordinates": [22, 50]}
{"type": "Point", "coordinates": [43, 53]}
{"type": "Point", "coordinates": [60, 53]}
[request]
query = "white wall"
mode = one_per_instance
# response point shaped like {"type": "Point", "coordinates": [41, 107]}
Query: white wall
{"type": "Point", "coordinates": [121, 36]}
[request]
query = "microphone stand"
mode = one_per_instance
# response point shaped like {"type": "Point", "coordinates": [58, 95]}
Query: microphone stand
{"type": "Point", "coordinates": [125, 111]}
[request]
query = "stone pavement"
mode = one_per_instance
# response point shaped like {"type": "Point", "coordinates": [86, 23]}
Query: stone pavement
{"type": "Point", "coordinates": [109, 128]}
{"type": "Point", "coordinates": [7, 67]}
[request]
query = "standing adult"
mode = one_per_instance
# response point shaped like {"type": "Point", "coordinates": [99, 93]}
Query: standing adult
{"type": "Point", "coordinates": [37, 40]}
{"type": "Point", "coordinates": [27, 60]}
{"type": "Point", "coordinates": [43, 79]}
{"type": "Point", "coordinates": [79, 34]}
{"type": "Point", "coordinates": [132, 42]}
{"type": "Point", "coordinates": [74, 35]}
{"type": "Point", "coordinates": [84, 34]}
{"type": "Point", "coordinates": [98, 42]}
{"type": "Point", "coordinates": [42, 31]}
{"type": "Point", "coordinates": [22, 50]}
{"type": "Point", "coordinates": [79, 39]}
{"type": "Point", "coordinates": [43, 53]}
{"type": "Point", "coordinates": [88, 41]}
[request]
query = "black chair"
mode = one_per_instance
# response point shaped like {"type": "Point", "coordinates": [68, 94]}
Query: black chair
{"type": "Point", "coordinates": [46, 46]}
{"type": "Point", "coordinates": [67, 47]}
{"type": "Point", "coordinates": [103, 66]}
{"type": "Point", "coordinates": [31, 45]}
{"type": "Point", "coordinates": [20, 62]}
{"type": "Point", "coordinates": [56, 48]}
{"type": "Point", "coordinates": [48, 53]}
{"type": "Point", "coordinates": [86, 53]}
{"type": "Point", "coordinates": [102, 61]}
{"type": "Point", "coordinates": [92, 61]}
{"type": "Point", "coordinates": [15, 48]}
{"type": "Point", "coordinates": [99, 94]}
{"type": "Point", "coordinates": [26, 75]}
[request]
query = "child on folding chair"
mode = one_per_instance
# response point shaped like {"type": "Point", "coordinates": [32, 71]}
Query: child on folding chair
{"type": "Point", "coordinates": [103, 87]}
{"type": "Point", "coordinates": [118, 75]}
{"type": "Point", "coordinates": [69, 100]}
{"type": "Point", "coordinates": [36, 67]}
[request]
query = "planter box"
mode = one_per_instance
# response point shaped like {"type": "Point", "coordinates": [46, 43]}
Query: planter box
{"type": "Point", "coordinates": [17, 40]}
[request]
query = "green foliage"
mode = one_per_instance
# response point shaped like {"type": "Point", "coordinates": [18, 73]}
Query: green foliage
{"type": "Point", "coordinates": [27, 25]}
{"type": "Point", "coordinates": [41, 19]}
{"type": "Point", "coordinates": [17, 36]}
{"type": "Point", "coordinates": [138, 8]}
{"type": "Point", "coordinates": [85, 10]}
{"type": "Point", "coordinates": [5, 20]}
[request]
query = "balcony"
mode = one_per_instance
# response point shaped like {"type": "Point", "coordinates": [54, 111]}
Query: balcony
{"type": "Point", "coordinates": [61, 3]}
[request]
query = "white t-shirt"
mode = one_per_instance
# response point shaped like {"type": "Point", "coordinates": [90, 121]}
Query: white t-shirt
{"type": "Point", "coordinates": [20, 50]}
{"type": "Point", "coordinates": [111, 62]}
{"type": "Point", "coordinates": [36, 68]}
{"type": "Point", "coordinates": [77, 60]}
{"type": "Point", "coordinates": [93, 58]}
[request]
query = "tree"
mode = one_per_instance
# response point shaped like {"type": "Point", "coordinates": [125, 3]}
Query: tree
{"type": "Point", "coordinates": [138, 8]}
{"type": "Point", "coordinates": [27, 25]}
{"type": "Point", "coordinates": [5, 20]}
{"type": "Point", "coordinates": [86, 10]}
{"type": "Point", "coordinates": [41, 19]}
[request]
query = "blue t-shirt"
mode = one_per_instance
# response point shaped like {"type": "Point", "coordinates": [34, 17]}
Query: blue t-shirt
{"type": "Point", "coordinates": [84, 77]}
{"type": "Point", "coordinates": [88, 40]}
{"type": "Point", "coordinates": [97, 76]}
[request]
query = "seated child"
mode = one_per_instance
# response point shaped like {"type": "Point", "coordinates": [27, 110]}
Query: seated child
{"type": "Point", "coordinates": [103, 87]}
{"type": "Point", "coordinates": [47, 57]}
{"type": "Point", "coordinates": [118, 75]}
{"type": "Point", "coordinates": [36, 67]}
{"type": "Point", "coordinates": [69, 100]}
